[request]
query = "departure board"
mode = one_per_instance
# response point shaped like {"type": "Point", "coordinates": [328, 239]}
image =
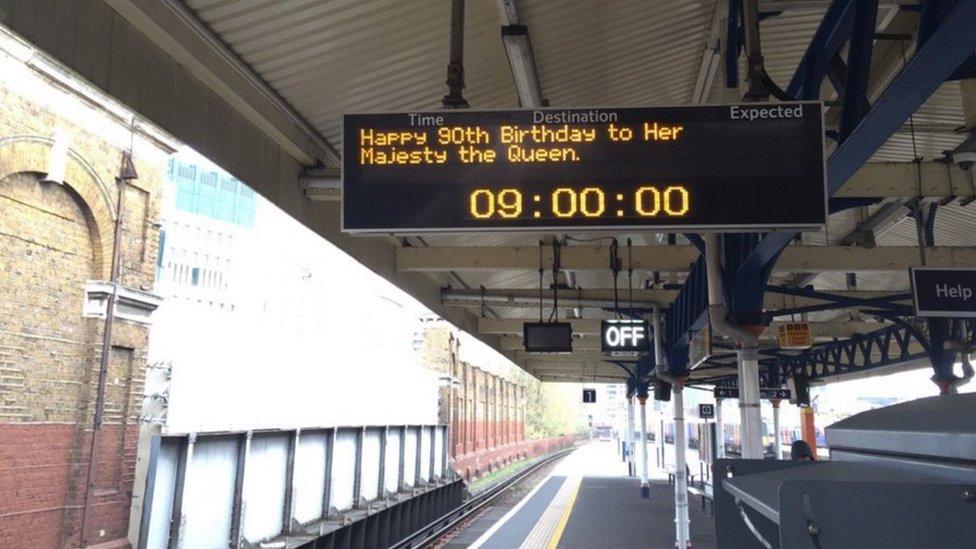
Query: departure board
{"type": "Point", "coordinates": [730, 168]}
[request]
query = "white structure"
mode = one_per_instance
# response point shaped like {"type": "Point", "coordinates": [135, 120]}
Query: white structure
{"type": "Point", "coordinates": [267, 325]}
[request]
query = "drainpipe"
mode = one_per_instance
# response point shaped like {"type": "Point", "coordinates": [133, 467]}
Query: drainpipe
{"type": "Point", "coordinates": [748, 355]}
{"type": "Point", "coordinates": [126, 172]}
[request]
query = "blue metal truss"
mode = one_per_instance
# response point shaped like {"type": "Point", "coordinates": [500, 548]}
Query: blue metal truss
{"type": "Point", "coordinates": [946, 42]}
{"type": "Point", "coordinates": [885, 347]}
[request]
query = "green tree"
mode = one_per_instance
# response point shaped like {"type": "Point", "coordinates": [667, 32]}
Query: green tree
{"type": "Point", "coordinates": [552, 409]}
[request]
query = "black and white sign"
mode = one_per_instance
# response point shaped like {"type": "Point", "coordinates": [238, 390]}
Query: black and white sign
{"type": "Point", "coordinates": [940, 292]}
{"type": "Point", "coordinates": [706, 411]}
{"type": "Point", "coordinates": [624, 337]}
{"type": "Point", "coordinates": [764, 392]}
{"type": "Point", "coordinates": [589, 396]}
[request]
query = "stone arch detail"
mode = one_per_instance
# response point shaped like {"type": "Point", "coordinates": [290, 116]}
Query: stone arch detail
{"type": "Point", "coordinates": [29, 153]}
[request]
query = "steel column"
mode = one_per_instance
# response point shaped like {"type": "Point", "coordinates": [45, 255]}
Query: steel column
{"type": "Point", "coordinates": [808, 428]}
{"type": "Point", "coordinates": [719, 430]}
{"type": "Point", "coordinates": [178, 518]}
{"type": "Point", "coordinates": [401, 468]}
{"type": "Point", "coordinates": [381, 481]}
{"type": "Point", "coordinates": [777, 436]}
{"type": "Point", "coordinates": [357, 479]}
{"type": "Point", "coordinates": [288, 506]}
{"type": "Point", "coordinates": [327, 489]}
{"type": "Point", "coordinates": [630, 431]}
{"type": "Point", "coordinates": [645, 488]}
{"type": "Point", "coordinates": [855, 100]}
{"type": "Point", "coordinates": [680, 465]}
{"type": "Point", "coordinates": [239, 510]}
{"type": "Point", "coordinates": [749, 411]}
{"type": "Point", "coordinates": [417, 457]}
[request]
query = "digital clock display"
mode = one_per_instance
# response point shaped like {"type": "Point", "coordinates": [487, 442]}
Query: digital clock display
{"type": "Point", "coordinates": [704, 168]}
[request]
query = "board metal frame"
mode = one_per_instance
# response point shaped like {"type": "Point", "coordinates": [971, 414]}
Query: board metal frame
{"type": "Point", "coordinates": [698, 228]}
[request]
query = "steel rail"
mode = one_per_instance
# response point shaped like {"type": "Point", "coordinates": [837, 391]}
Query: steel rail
{"type": "Point", "coordinates": [437, 528]}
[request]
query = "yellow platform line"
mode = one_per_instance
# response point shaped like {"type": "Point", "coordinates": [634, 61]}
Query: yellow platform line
{"type": "Point", "coordinates": [564, 520]}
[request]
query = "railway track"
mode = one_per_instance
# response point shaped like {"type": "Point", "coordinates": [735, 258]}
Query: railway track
{"type": "Point", "coordinates": [429, 534]}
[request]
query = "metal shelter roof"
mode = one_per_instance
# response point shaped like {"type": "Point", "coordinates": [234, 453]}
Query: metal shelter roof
{"type": "Point", "coordinates": [314, 60]}
{"type": "Point", "coordinates": [329, 58]}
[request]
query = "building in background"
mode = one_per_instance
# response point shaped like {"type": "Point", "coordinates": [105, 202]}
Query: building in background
{"type": "Point", "coordinates": [483, 399]}
{"type": "Point", "coordinates": [61, 144]}
{"type": "Point", "coordinates": [266, 325]}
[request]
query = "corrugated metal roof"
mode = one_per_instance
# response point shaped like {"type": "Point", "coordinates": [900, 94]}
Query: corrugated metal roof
{"type": "Point", "coordinates": [629, 52]}
{"type": "Point", "coordinates": [329, 57]}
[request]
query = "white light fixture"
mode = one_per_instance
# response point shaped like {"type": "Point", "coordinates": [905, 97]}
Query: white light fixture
{"type": "Point", "coordinates": [57, 162]}
{"type": "Point", "coordinates": [522, 62]}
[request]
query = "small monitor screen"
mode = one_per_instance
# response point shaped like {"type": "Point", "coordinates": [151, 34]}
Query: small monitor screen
{"type": "Point", "coordinates": [548, 337]}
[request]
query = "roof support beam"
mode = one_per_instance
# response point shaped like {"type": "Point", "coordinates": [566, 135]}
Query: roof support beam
{"type": "Point", "coordinates": [603, 298]}
{"type": "Point", "coordinates": [511, 330]}
{"type": "Point", "coordinates": [591, 341]}
{"type": "Point", "coordinates": [521, 60]}
{"type": "Point", "coordinates": [675, 258]}
{"type": "Point", "coordinates": [172, 27]}
{"type": "Point", "coordinates": [901, 180]}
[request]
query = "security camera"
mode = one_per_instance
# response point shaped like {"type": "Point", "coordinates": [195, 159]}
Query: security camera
{"type": "Point", "coordinates": [965, 159]}
{"type": "Point", "coordinates": [965, 154]}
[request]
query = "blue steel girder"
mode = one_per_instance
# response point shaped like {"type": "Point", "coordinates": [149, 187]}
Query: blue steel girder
{"type": "Point", "coordinates": [834, 29]}
{"type": "Point", "coordinates": [892, 345]}
{"type": "Point", "coordinates": [948, 46]}
{"type": "Point", "coordinates": [878, 349]}
{"type": "Point", "coordinates": [631, 387]}
{"type": "Point", "coordinates": [733, 37]}
{"type": "Point", "coordinates": [855, 98]}
{"type": "Point", "coordinates": [932, 14]}
{"type": "Point", "coordinates": [945, 49]}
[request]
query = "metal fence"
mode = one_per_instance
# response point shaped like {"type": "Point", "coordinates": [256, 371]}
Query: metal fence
{"type": "Point", "coordinates": [236, 489]}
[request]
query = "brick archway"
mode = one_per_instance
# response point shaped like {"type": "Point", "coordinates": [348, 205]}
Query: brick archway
{"type": "Point", "coordinates": [30, 153]}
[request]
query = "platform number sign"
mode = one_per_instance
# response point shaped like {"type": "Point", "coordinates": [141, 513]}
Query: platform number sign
{"type": "Point", "coordinates": [706, 411]}
{"type": "Point", "coordinates": [589, 396]}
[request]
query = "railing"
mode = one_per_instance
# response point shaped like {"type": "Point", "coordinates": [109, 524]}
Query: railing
{"type": "Point", "coordinates": [233, 489]}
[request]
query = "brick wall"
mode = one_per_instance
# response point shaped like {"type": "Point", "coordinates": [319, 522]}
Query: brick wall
{"type": "Point", "coordinates": [54, 238]}
{"type": "Point", "coordinates": [486, 413]}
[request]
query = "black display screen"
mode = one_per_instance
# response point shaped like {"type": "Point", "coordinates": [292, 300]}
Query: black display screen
{"type": "Point", "coordinates": [728, 168]}
{"type": "Point", "coordinates": [548, 337]}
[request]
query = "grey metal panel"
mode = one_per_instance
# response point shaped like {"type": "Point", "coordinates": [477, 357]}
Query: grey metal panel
{"type": "Point", "coordinates": [855, 515]}
{"type": "Point", "coordinates": [410, 457]}
{"type": "Point", "coordinates": [949, 470]}
{"type": "Point", "coordinates": [265, 486]}
{"type": "Point", "coordinates": [371, 464]}
{"type": "Point", "coordinates": [940, 427]}
{"type": "Point", "coordinates": [343, 469]}
{"type": "Point", "coordinates": [162, 500]}
{"type": "Point", "coordinates": [439, 449]}
{"type": "Point", "coordinates": [310, 476]}
{"type": "Point", "coordinates": [425, 453]}
{"type": "Point", "coordinates": [208, 498]}
{"type": "Point", "coordinates": [391, 478]}
{"type": "Point", "coordinates": [761, 491]}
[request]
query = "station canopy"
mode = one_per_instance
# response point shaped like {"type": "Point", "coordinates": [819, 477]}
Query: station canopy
{"type": "Point", "coordinates": [325, 59]}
